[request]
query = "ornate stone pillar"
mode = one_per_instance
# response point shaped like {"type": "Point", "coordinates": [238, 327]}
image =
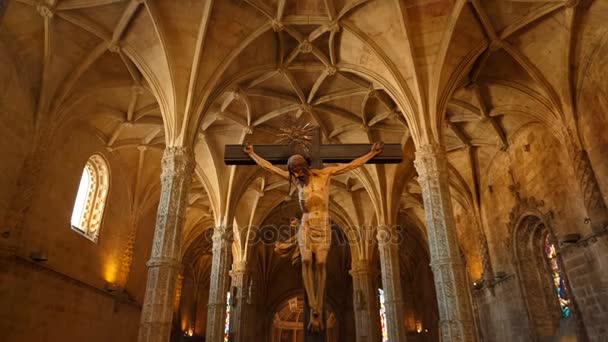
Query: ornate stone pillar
{"type": "Point", "coordinates": [239, 305]}
{"type": "Point", "coordinates": [391, 283]}
{"type": "Point", "coordinates": [164, 263]}
{"type": "Point", "coordinates": [365, 302]}
{"type": "Point", "coordinates": [590, 189]}
{"type": "Point", "coordinates": [453, 296]}
{"type": "Point", "coordinates": [220, 282]}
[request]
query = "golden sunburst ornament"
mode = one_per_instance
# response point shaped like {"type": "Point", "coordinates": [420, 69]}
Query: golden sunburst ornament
{"type": "Point", "coordinates": [297, 137]}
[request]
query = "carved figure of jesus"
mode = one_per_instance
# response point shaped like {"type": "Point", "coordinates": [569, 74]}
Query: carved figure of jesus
{"type": "Point", "coordinates": [314, 233]}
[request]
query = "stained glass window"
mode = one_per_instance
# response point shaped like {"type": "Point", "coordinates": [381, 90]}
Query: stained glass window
{"type": "Point", "coordinates": [557, 275]}
{"type": "Point", "coordinates": [227, 322]}
{"type": "Point", "coordinates": [383, 316]}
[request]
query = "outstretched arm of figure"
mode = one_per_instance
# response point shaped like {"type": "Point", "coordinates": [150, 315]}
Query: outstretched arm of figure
{"type": "Point", "coordinates": [265, 164]}
{"type": "Point", "coordinates": [339, 169]}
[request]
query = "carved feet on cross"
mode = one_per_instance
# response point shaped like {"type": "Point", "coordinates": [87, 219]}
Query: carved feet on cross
{"type": "Point", "coordinates": [315, 322]}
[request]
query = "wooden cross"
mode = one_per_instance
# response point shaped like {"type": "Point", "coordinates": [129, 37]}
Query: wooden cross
{"type": "Point", "coordinates": [319, 153]}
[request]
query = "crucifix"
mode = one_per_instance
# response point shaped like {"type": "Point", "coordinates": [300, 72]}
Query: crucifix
{"type": "Point", "coordinates": [319, 153]}
{"type": "Point", "coordinates": [305, 168]}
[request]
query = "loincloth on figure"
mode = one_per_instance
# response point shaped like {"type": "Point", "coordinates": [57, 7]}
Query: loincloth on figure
{"type": "Point", "coordinates": [314, 234]}
{"type": "Point", "coordinates": [289, 248]}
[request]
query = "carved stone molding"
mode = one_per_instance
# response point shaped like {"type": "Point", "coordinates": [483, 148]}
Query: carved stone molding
{"type": "Point", "coordinates": [455, 313]}
{"type": "Point", "coordinates": [524, 208]}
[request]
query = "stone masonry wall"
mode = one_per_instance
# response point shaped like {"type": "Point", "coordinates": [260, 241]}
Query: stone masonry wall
{"type": "Point", "coordinates": [539, 164]}
{"type": "Point", "coordinates": [66, 297]}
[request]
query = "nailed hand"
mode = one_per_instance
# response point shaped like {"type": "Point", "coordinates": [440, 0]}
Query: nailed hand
{"type": "Point", "coordinates": [378, 147]}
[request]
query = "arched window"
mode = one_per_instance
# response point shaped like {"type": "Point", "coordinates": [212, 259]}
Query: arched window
{"type": "Point", "coordinates": [383, 327]}
{"type": "Point", "coordinates": [227, 320]}
{"type": "Point", "coordinates": [91, 197]}
{"type": "Point", "coordinates": [558, 276]}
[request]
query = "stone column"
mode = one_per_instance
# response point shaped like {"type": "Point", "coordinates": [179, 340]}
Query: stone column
{"type": "Point", "coordinates": [453, 296]}
{"type": "Point", "coordinates": [220, 282]}
{"type": "Point", "coordinates": [164, 264]}
{"type": "Point", "coordinates": [391, 283]}
{"type": "Point", "coordinates": [365, 302]}
{"type": "Point", "coordinates": [238, 311]}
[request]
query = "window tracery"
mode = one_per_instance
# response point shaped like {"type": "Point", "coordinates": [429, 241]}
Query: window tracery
{"type": "Point", "coordinates": [91, 198]}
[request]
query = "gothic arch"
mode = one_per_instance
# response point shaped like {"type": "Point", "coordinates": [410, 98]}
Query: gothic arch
{"type": "Point", "coordinates": [530, 226]}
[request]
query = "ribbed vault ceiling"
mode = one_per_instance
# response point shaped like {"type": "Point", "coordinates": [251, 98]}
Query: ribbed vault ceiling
{"type": "Point", "coordinates": [146, 74]}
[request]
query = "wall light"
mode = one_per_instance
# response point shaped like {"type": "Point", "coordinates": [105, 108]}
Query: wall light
{"type": "Point", "coordinates": [38, 256]}
{"type": "Point", "coordinates": [111, 287]}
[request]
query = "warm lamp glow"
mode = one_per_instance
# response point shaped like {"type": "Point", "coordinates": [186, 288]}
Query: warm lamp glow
{"type": "Point", "coordinates": [110, 272]}
{"type": "Point", "coordinates": [419, 327]}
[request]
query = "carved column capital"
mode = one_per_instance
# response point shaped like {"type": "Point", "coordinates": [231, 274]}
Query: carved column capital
{"type": "Point", "coordinates": [431, 161]}
{"type": "Point", "coordinates": [222, 236]}
{"type": "Point", "coordinates": [238, 268]}
{"type": "Point", "coordinates": [359, 268]}
{"type": "Point", "coordinates": [386, 236]}
{"type": "Point", "coordinates": [177, 162]}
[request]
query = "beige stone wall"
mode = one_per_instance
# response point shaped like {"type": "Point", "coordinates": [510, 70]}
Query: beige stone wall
{"type": "Point", "coordinates": [540, 164]}
{"type": "Point", "coordinates": [593, 113]}
{"type": "Point", "coordinates": [43, 305]}
{"type": "Point", "coordinates": [65, 297]}
{"type": "Point", "coordinates": [16, 127]}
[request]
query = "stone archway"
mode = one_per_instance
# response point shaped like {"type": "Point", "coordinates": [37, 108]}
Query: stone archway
{"type": "Point", "coordinates": [532, 233]}
{"type": "Point", "coordinates": [540, 302]}
{"type": "Point", "coordinates": [288, 322]}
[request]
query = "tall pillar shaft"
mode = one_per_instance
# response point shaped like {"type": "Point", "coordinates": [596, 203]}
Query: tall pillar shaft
{"type": "Point", "coordinates": [455, 313]}
{"type": "Point", "coordinates": [365, 303]}
{"type": "Point", "coordinates": [391, 283]}
{"type": "Point", "coordinates": [238, 311]}
{"type": "Point", "coordinates": [164, 263]}
{"type": "Point", "coordinates": [220, 283]}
